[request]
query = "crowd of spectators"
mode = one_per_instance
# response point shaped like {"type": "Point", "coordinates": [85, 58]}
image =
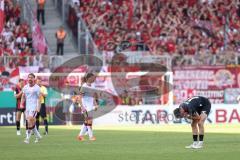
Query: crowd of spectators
{"type": "Point", "coordinates": [16, 47]}
{"type": "Point", "coordinates": [16, 37]}
{"type": "Point", "coordinates": [191, 31]}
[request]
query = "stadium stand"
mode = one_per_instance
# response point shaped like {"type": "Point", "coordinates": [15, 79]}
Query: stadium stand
{"type": "Point", "coordinates": [192, 32]}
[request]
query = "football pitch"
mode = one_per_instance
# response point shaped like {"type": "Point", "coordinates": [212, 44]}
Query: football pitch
{"type": "Point", "coordinates": [122, 143]}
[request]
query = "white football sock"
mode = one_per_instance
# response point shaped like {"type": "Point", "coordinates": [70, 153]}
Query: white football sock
{"type": "Point", "coordinates": [29, 133]}
{"type": "Point", "coordinates": [83, 130]}
{"type": "Point", "coordinates": [36, 133]}
{"type": "Point", "coordinates": [90, 132]}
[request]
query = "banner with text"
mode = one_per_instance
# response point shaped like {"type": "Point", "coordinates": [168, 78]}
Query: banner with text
{"type": "Point", "coordinates": [208, 81]}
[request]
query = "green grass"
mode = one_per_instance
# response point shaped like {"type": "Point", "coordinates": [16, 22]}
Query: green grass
{"type": "Point", "coordinates": [114, 143]}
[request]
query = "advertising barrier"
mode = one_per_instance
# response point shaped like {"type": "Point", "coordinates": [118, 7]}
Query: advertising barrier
{"type": "Point", "coordinates": [137, 115]}
{"type": "Point", "coordinates": [8, 117]}
{"type": "Point", "coordinates": [159, 115]}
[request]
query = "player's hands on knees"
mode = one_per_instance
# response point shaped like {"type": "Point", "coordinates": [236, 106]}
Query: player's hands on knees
{"type": "Point", "coordinates": [197, 118]}
{"type": "Point", "coordinates": [203, 117]}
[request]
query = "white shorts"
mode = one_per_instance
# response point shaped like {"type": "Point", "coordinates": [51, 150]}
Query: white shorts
{"type": "Point", "coordinates": [30, 114]}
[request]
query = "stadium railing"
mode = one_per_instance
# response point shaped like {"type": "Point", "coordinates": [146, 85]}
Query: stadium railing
{"type": "Point", "coordinates": [80, 32]}
{"type": "Point", "coordinates": [46, 61]}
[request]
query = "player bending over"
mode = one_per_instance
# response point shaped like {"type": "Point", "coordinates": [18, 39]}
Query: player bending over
{"type": "Point", "coordinates": [196, 108]}
{"type": "Point", "coordinates": [88, 104]}
{"type": "Point", "coordinates": [31, 95]}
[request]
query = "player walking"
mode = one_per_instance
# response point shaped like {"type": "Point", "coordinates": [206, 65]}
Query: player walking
{"type": "Point", "coordinates": [31, 96]}
{"type": "Point", "coordinates": [196, 108]}
{"type": "Point", "coordinates": [88, 104]}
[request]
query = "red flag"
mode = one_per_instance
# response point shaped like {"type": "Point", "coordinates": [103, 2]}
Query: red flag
{"type": "Point", "coordinates": [1, 15]}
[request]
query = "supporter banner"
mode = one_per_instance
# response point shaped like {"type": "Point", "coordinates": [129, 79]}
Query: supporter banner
{"type": "Point", "coordinates": [30, 69]}
{"type": "Point", "coordinates": [39, 41]}
{"type": "Point", "coordinates": [159, 115]}
{"type": "Point", "coordinates": [208, 81]}
{"type": "Point", "coordinates": [8, 78]}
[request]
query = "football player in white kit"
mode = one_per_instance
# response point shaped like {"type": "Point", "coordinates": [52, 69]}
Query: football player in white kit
{"type": "Point", "coordinates": [88, 104]}
{"type": "Point", "coordinates": [31, 97]}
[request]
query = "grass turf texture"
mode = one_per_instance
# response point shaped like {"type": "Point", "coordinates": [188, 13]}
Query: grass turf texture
{"type": "Point", "coordinates": [121, 143]}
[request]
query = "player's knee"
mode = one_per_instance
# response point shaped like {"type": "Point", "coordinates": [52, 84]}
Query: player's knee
{"type": "Point", "coordinates": [200, 124]}
{"type": "Point", "coordinates": [193, 125]}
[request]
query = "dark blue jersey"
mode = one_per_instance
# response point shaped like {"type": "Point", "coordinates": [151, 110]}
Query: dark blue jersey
{"type": "Point", "coordinates": [196, 105]}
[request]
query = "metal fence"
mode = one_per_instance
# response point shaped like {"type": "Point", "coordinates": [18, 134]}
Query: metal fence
{"type": "Point", "coordinates": [42, 61]}
{"type": "Point", "coordinates": [85, 41]}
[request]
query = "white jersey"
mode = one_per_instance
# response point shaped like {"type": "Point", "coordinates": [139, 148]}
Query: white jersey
{"type": "Point", "coordinates": [88, 96]}
{"type": "Point", "coordinates": [32, 96]}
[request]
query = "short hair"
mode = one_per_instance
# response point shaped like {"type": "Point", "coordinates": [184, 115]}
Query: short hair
{"type": "Point", "coordinates": [183, 105]}
{"type": "Point", "coordinates": [31, 74]}
{"type": "Point", "coordinates": [87, 76]}
{"type": "Point", "coordinates": [20, 80]}
{"type": "Point", "coordinates": [176, 113]}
